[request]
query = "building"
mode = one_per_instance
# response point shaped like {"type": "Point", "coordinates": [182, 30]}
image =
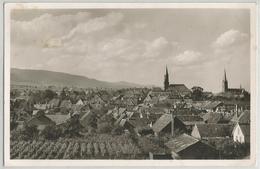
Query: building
{"type": "Point", "coordinates": [188, 147]}
{"type": "Point", "coordinates": [179, 89]}
{"type": "Point", "coordinates": [241, 133]}
{"type": "Point", "coordinates": [40, 121]}
{"type": "Point", "coordinates": [212, 131]}
{"type": "Point", "coordinates": [226, 89]}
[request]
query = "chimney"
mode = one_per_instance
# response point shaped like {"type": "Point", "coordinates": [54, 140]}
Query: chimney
{"type": "Point", "coordinates": [172, 123]}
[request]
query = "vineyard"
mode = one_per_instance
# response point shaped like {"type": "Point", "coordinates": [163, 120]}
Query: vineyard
{"type": "Point", "coordinates": [90, 148]}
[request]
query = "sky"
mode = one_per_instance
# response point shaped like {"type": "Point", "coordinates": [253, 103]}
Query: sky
{"type": "Point", "coordinates": [135, 45]}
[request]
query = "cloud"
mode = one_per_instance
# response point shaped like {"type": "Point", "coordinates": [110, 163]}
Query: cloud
{"type": "Point", "coordinates": [188, 57]}
{"type": "Point", "coordinates": [230, 45]}
{"type": "Point", "coordinates": [230, 38]}
{"type": "Point", "coordinates": [95, 24]}
{"type": "Point", "coordinates": [40, 30]}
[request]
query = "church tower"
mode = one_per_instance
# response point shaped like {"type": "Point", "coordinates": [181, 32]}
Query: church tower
{"type": "Point", "coordinates": [166, 80]}
{"type": "Point", "coordinates": [224, 83]}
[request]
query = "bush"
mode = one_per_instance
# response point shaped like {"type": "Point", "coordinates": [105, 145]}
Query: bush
{"type": "Point", "coordinates": [51, 133]}
{"type": "Point", "coordinates": [104, 127]}
{"type": "Point", "coordinates": [117, 130]}
{"type": "Point", "coordinates": [13, 125]}
{"type": "Point", "coordinates": [27, 133]}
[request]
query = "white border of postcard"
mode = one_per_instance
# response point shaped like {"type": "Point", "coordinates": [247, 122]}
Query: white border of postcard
{"type": "Point", "coordinates": [245, 162]}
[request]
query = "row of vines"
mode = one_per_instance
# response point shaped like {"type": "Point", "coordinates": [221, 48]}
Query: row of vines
{"type": "Point", "coordinates": [110, 148]}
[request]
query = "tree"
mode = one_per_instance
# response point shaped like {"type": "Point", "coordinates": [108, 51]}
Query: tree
{"type": "Point", "coordinates": [29, 132]}
{"type": "Point", "coordinates": [13, 125]}
{"type": "Point", "coordinates": [117, 130]}
{"type": "Point", "coordinates": [197, 93]}
{"type": "Point", "coordinates": [48, 95]}
{"type": "Point", "coordinates": [105, 124]}
{"type": "Point", "coordinates": [51, 132]}
{"type": "Point", "coordinates": [72, 127]}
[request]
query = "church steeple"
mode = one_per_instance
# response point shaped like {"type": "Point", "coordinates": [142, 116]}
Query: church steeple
{"type": "Point", "coordinates": [225, 82]}
{"type": "Point", "coordinates": [166, 79]}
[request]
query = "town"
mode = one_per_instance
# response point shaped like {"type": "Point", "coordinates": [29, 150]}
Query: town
{"type": "Point", "coordinates": [173, 122]}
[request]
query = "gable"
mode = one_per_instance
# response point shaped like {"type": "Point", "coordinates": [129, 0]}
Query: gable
{"type": "Point", "coordinates": [195, 132]}
{"type": "Point", "coordinates": [162, 122]}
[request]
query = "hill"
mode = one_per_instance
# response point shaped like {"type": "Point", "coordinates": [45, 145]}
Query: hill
{"type": "Point", "coordinates": [47, 78]}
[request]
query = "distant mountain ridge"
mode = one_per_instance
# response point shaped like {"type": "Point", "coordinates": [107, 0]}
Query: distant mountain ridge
{"type": "Point", "coordinates": [45, 77]}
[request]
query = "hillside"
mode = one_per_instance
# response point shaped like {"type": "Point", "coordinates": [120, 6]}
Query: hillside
{"type": "Point", "coordinates": [46, 78]}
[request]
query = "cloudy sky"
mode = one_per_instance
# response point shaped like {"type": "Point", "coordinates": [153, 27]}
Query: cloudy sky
{"type": "Point", "coordinates": [135, 45]}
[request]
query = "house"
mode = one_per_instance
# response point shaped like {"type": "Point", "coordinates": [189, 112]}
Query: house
{"type": "Point", "coordinates": [213, 106]}
{"type": "Point", "coordinates": [243, 118]}
{"type": "Point", "coordinates": [188, 147]}
{"type": "Point", "coordinates": [66, 104]}
{"type": "Point", "coordinates": [164, 125]}
{"type": "Point", "coordinates": [199, 105]}
{"type": "Point", "coordinates": [54, 103]}
{"type": "Point", "coordinates": [41, 106]}
{"type": "Point", "coordinates": [153, 150]}
{"type": "Point", "coordinates": [212, 117]}
{"type": "Point", "coordinates": [41, 121]}
{"type": "Point", "coordinates": [84, 119]}
{"type": "Point", "coordinates": [212, 131]}
{"type": "Point", "coordinates": [241, 133]}
{"type": "Point", "coordinates": [188, 121]}
{"type": "Point", "coordinates": [80, 102]}
{"type": "Point", "coordinates": [181, 89]}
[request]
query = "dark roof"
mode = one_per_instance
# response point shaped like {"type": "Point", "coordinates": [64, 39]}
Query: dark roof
{"type": "Point", "coordinates": [180, 88]}
{"type": "Point", "coordinates": [40, 120]}
{"type": "Point", "coordinates": [58, 118]}
{"type": "Point", "coordinates": [246, 131]}
{"type": "Point", "coordinates": [235, 90]}
{"type": "Point", "coordinates": [212, 105]}
{"type": "Point", "coordinates": [66, 103]}
{"type": "Point", "coordinates": [215, 130]}
{"type": "Point", "coordinates": [190, 120]}
{"type": "Point", "coordinates": [162, 122]}
{"type": "Point", "coordinates": [181, 142]}
{"type": "Point", "coordinates": [212, 117]}
{"type": "Point", "coordinates": [138, 123]}
{"type": "Point", "coordinates": [54, 102]}
{"type": "Point", "coordinates": [244, 118]}
{"type": "Point", "coordinates": [84, 119]}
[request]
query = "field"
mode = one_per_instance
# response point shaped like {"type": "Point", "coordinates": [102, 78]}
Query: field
{"type": "Point", "coordinates": [90, 148]}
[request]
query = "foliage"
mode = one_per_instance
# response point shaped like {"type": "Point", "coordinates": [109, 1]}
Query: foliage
{"type": "Point", "coordinates": [51, 132]}
{"type": "Point", "coordinates": [229, 149]}
{"type": "Point", "coordinates": [104, 127]}
{"type": "Point", "coordinates": [13, 125]}
{"type": "Point", "coordinates": [117, 130]}
{"type": "Point", "coordinates": [72, 127]}
{"type": "Point", "coordinates": [27, 133]}
{"type": "Point", "coordinates": [93, 147]}
{"type": "Point", "coordinates": [48, 95]}
{"type": "Point", "coordinates": [197, 93]}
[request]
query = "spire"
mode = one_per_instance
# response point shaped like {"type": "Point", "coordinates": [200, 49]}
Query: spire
{"type": "Point", "coordinates": [166, 70]}
{"type": "Point", "coordinates": [166, 79]}
{"type": "Point", "coordinates": [225, 82]}
{"type": "Point", "coordinates": [225, 76]}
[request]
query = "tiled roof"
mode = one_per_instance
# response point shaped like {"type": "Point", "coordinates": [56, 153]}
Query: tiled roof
{"type": "Point", "coordinates": [181, 142]}
{"type": "Point", "coordinates": [162, 122]}
{"type": "Point", "coordinates": [215, 130]}
{"type": "Point", "coordinates": [190, 120]}
{"type": "Point", "coordinates": [212, 117]}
